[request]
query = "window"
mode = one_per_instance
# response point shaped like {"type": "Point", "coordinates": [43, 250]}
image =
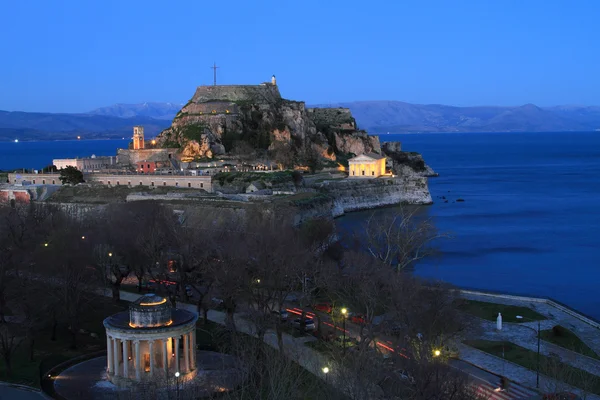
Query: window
{"type": "Point", "coordinates": [33, 181]}
{"type": "Point", "coordinates": [151, 183]}
{"type": "Point", "coordinates": [176, 183]}
{"type": "Point", "coordinates": [109, 182]}
{"type": "Point", "coordinates": [43, 181]}
{"type": "Point", "coordinates": [140, 183]}
{"type": "Point", "coordinates": [164, 183]}
{"type": "Point", "coordinates": [189, 184]}
{"type": "Point", "coordinates": [201, 185]}
{"type": "Point", "coordinates": [372, 172]}
{"type": "Point", "coordinates": [117, 183]}
{"type": "Point", "coordinates": [352, 172]}
{"type": "Point", "coordinates": [363, 172]}
{"type": "Point", "coordinates": [53, 181]}
{"type": "Point", "coordinates": [148, 166]}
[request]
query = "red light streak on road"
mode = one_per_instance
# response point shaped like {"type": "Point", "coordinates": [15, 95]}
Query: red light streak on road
{"type": "Point", "coordinates": [337, 327]}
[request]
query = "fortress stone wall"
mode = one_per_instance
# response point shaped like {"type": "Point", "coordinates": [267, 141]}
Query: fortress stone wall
{"type": "Point", "coordinates": [132, 157]}
{"type": "Point", "coordinates": [212, 107]}
{"type": "Point", "coordinates": [336, 117]}
{"type": "Point", "coordinates": [265, 93]}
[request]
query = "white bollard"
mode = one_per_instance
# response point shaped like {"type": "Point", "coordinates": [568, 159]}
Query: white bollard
{"type": "Point", "coordinates": [499, 322]}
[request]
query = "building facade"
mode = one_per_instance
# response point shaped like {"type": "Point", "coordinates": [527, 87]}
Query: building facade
{"type": "Point", "coordinates": [184, 181]}
{"type": "Point", "coordinates": [87, 164]}
{"type": "Point", "coordinates": [152, 340]}
{"type": "Point", "coordinates": [365, 166]}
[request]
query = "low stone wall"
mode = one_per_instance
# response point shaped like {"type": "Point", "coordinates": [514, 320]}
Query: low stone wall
{"type": "Point", "coordinates": [548, 301]}
{"type": "Point", "coordinates": [336, 117]}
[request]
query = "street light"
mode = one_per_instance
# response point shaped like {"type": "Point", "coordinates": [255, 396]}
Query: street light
{"type": "Point", "coordinates": [437, 353]}
{"type": "Point", "coordinates": [344, 311]}
{"type": "Point", "coordinates": [83, 238]}
{"type": "Point", "coordinates": [110, 254]}
{"type": "Point", "coordinates": [537, 382]}
{"type": "Point", "coordinates": [177, 377]}
{"type": "Point", "coordinates": [45, 244]}
{"type": "Point", "coordinates": [325, 371]}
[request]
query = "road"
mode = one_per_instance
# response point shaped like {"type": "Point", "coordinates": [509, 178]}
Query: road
{"type": "Point", "coordinates": [487, 384]}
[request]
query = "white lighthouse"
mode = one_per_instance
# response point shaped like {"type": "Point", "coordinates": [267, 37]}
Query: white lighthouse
{"type": "Point", "coordinates": [273, 80]}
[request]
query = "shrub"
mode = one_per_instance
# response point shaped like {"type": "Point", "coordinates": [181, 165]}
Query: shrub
{"type": "Point", "coordinates": [559, 331]}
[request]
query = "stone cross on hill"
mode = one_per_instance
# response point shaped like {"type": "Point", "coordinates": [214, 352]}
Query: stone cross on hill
{"type": "Point", "coordinates": [214, 68]}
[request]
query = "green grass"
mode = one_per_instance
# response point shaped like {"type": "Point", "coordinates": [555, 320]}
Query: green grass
{"type": "Point", "coordinates": [489, 311]}
{"type": "Point", "coordinates": [568, 340]}
{"type": "Point", "coordinates": [528, 359]}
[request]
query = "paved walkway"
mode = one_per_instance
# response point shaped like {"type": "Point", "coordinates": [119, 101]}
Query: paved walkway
{"type": "Point", "coordinates": [10, 391]}
{"type": "Point", "coordinates": [525, 335]}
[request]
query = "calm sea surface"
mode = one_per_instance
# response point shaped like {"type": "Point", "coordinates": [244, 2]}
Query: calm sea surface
{"type": "Point", "coordinates": [528, 224]}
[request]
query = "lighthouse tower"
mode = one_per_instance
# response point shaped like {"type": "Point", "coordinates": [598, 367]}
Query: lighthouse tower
{"type": "Point", "coordinates": [273, 80]}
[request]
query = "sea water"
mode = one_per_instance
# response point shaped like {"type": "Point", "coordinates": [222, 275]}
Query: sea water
{"type": "Point", "coordinates": [528, 224]}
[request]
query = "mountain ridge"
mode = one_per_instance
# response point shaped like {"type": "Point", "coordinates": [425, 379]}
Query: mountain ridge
{"type": "Point", "coordinates": [376, 116]}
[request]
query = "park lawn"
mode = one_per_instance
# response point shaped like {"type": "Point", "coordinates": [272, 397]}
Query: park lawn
{"type": "Point", "coordinates": [569, 341]}
{"type": "Point", "coordinates": [48, 353]}
{"type": "Point", "coordinates": [528, 359]}
{"type": "Point", "coordinates": [489, 311]}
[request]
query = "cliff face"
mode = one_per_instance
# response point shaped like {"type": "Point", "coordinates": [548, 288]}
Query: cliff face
{"type": "Point", "coordinates": [217, 118]}
{"type": "Point", "coordinates": [406, 163]}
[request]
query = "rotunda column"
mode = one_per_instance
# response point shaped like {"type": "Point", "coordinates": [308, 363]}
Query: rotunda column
{"type": "Point", "coordinates": [138, 361]}
{"type": "Point", "coordinates": [115, 357]}
{"type": "Point", "coordinates": [193, 349]}
{"type": "Point", "coordinates": [126, 358]}
{"type": "Point", "coordinates": [109, 355]}
{"type": "Point", "coordinates": [186, 352]}
{"type": "Point", "coordinates": [177, 354]}
{"type": "Point", "coordinates": [151, 344]}
{"type": "Point", "coordinates": [165, 358]}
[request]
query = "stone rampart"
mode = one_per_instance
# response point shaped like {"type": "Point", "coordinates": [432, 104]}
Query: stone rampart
{"type": "Point", "coordinates": [265, 93]}
{"type": "Point", "coordinates": [337, 117]}
{"type": "Point", "coordinates": [211, 107]}
{"type": "Point", "coordinates": [132, 157]}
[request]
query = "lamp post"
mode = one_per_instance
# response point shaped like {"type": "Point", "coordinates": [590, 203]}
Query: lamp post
{"type": "Point", "coordinates": [537, 381]}
{"type": "Point", "coordinates": [177, 379]}
{"type": "Point", "coordinates": [325, 371]}
{"type": "Point", "coordinates": [344, 312]}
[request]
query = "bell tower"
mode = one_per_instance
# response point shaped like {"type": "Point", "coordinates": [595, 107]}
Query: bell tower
{"type": "Point", "coordinates": [138, 137]}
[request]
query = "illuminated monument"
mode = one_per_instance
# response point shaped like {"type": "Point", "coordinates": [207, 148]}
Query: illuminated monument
{"type": "Point", "coordinates": [150, 342]}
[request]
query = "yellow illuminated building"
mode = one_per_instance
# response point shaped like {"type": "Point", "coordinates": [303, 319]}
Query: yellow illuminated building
{"type": "Point", "coordinates": [370, 165]}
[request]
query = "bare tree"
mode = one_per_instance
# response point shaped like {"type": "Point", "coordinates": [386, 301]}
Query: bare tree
{"type": "Point", "coordinates": [11, 337]}
{"type": "Point", "coordinates": [401, 239]}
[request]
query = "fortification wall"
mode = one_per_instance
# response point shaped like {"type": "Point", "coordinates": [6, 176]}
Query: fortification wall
{"type": "Point", "coordinates": [337, 117]}
{"type": "Point", "coordinates": [212, 107]}
{"type": "Point", "coordinates": [132, 157]}
{"type": "Point", "coordinates": [265, 93]}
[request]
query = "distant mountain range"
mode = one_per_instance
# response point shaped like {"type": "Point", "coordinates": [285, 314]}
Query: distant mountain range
{"type": "Point", "coordinates": [375, 116]}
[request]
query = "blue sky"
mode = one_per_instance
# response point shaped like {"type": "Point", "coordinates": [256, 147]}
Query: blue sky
{"type": "Point", "coordinates": [74, 55]}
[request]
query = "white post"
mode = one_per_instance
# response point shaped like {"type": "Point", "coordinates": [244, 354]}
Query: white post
{"type": "Point", "coordinates": [115, 356]}
{"type": "Point", "coordinates": [151, 344]}
{"type": "Point", "coordinates": [186, 351]}
{"type": "Point", "coordinates": [177, 354]}
{"type": "Point", "coordinates": [138, 362]}
{"type": "Point", "coordinates": [109, 355]}
{"type": "Point", "coordinates": [499, 322]}
{"type": "Point", "coordinates": [165, 358]}
{"type": "Point", "coordinates": [126, 358]}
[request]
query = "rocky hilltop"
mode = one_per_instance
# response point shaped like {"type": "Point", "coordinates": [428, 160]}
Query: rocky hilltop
{"type": "Point", "coordinates": [217, 119]}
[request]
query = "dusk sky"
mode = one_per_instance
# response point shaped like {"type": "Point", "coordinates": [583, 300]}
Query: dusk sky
{"type": "Point", "coordinates": [74, 56]}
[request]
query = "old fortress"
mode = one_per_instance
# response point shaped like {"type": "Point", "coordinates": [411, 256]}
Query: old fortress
{"type": "Point", "coordinates": [152, 163]}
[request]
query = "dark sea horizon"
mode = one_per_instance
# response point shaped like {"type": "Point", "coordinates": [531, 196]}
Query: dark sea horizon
{"type": "Point", "coordinates": [527, 225]}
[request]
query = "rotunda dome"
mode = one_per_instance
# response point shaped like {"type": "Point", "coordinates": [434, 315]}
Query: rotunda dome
{"type": "Point", "coordinates": [150, 311]}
